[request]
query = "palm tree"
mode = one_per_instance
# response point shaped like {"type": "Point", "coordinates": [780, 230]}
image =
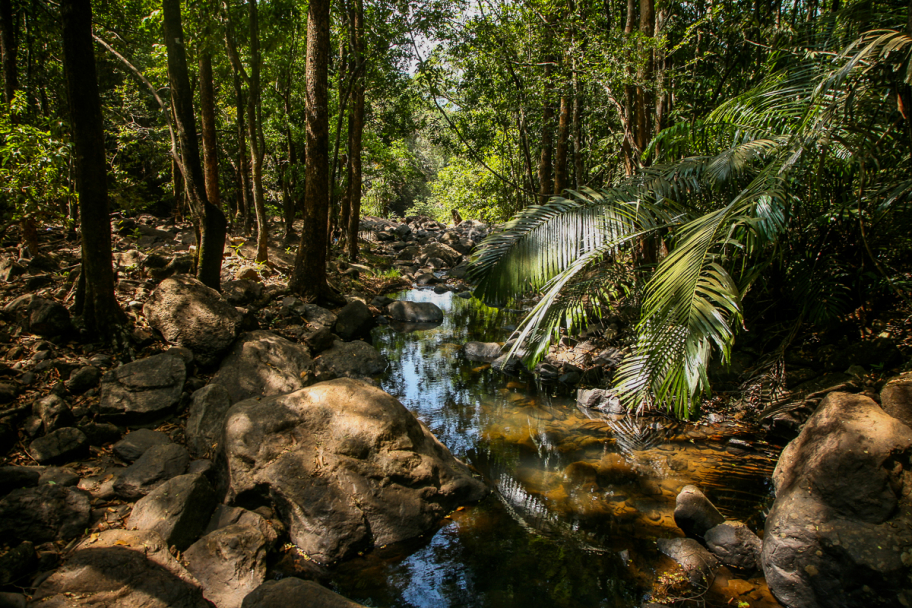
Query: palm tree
{"type": "Point", "coordinates": [777, 190]}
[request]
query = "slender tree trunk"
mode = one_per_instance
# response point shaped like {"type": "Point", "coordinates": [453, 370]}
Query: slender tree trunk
{"type": "Point", "coordinates": [545, 188]}
{"type": "Point", "coordinates": [309, 275]}
{"type": "Point", "coordinates": [289, 201]}
{"type": "Point", "coordinates": [243, 163]}
{"type": "Point", "coordinates": [645, 71]}
{"type": "Point", "coordinates": [357, 129]}
{"type": "Point", "coordinates": [628, 143]}
{"type": "Point", "coordinates": [338, 220]}
{"type": "Point", "coordinates": [254, 129]}
{"type": "Point", "coordinates": [210, 220]}
{"type": "Point", "coordinates": [101, 312]}
{"type": "Point", "coordinates": [527, 155]}
{"type": "Point", "coordinates": [8, 48]}
{"type": "Point", "coordinates": [207, 116]}
{"type": "Point", "coordinates": [561, 181]}
{"type": "Point", "coordinates": [578, 167]}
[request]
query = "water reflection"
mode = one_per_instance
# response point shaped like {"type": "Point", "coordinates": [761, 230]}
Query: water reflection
{"type": "Point", "coordinates": [579, 498]}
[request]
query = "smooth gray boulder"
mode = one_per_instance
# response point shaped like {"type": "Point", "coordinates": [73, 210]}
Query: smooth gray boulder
{"type": "Point", "coordinates": [189, 314]}
{"type": "Point", "coordinates": [350, 360]}
{"type": "Point", "coordinates": [122, 568]}
{"type": "Point", "coordinates": [262, 364]}
{"type": "Point", "coordinates": [415, 312]}
{"type": "Point", "coordinates": [144, 391]}
{"type": "Point", "coordinates": [293, 592]}
{"type": "Point", "coordinates": [157, 465]}
{"type": "Point", "coordinates": [345, 465]}
{"type": "Point", "coordinates": [208, 408]}
{"type": "Point", "coordinates": [839, 533]}
{"type": "Point", "coordinates": [229, 563]}
{"type": "Point", "coordinates": [178, 510]}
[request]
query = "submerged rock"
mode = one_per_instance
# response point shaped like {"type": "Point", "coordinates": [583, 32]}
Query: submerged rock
{"type": "Point", "coordinates": [415, 312]}
{"type": "Point", "coordinates": [482, 351]}
{"type": "Point", "coordinates": [345, 465]}
{"type": "Point", "coordinates": [840, 531]}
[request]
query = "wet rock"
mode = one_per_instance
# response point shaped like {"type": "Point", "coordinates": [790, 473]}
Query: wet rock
{"type": "Point", "coordinates": [896, 398]}
{"type": "Point", "coordinates": [157, 465]}
{"type": "Point", "coordinates": [229, 563]}
{"type": "Point", "coordinates": [143, 391]}
{"type": "Point", "coordinates": [604, 400]}
{"type": "Point", "coordinates": [13, 477]}
{"type": "Point", "coordinates": [53, 412]}
{"type": "Point", "coordinates": [40, 316]}
{"type": "Point", "coordinates": [694, 514]}
{"type": "Point", "coordinates": [697, 562]}
{"type": "Point", "coordinates": [100, 433]}
{"type": "Point", "coordinates": [840, 530]}
{"type": "Point", "coordinates": [135, 444]}
{"type": "Point", "coordinates": [58, 476]}
{"type": "Point", "coordinates": [208, 408]}
{"type": "Point", "coordinates": [83, 379]}
{"type": "Point", "coordinates": [354, 321]}
{"type": "Point", "coordinates": [262, 364]}
{"type": "Point", "coordinates": [507, 364]}
{"type": "Point", "coordinates": [318, 340]}
{"type": "Point", "coordinates": [62, 445]}
{"type": "Point", "coordinates": [295, 593]}
{"type": "Point", "coordinates": [735, 545]}
{"type": "Point", "coordinates": [346, 465]}
{"type": "Point", "coordinates": [225, 515]}
{"type": "Point", "coordinates": [44, 513]}
{"type": "Point", "coordinates": [123, 568]}
{"type": "Point", "coordinates": [350, 360]}
{"type": "Point", "coordinates": [178, 510]}
{"type": "Point", "coordinates": [18, 563]}
{"type": "Point", "coordinates": [189, 314]}
{"type": "Point", "coordinates": [415, 312]}
{"type": "Point", "coordinates": [242, 292]}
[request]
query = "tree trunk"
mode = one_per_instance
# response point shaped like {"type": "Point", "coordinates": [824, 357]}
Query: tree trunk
{"type": "Point", "coordinates": [309, 275]}
{"type": "Point", "coordinates": [254, 129]}
{"type": "Point", "coordinates": [357, 129]}
{"type": "Point", "coordinates": [563, 138]}
{"type": "Point", "coordinates": [209, 219]}
{"type": "Point", "coordinates": [100, 310]}
{"type": "Point", "coordinates": [243, 163]}
{"type": "Point", "coordinates": [646, 68]}
{"type": "Point", "coordinates": [579, 177]}
{"type": "Point", "coordinates": [8, 48]}
{"type": "Point", "coordinates": [289, 200]}
{"type": "Point", "coordinates": [547, 142]}
{"type": "Point", "coordinates": [207, 116]}
{"type": "Point", "coordinates": [628, 143]}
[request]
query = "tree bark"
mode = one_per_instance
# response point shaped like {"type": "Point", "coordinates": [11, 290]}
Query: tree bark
{"type": "Point", "coordinates": [8, 48]}
{"type": "Point", "coordinates": [646, 68]}
{"type": "Point", "coordinates": [207, 116]}
{"type": "Point", "coordinates": [628, 143]}
{"type": "Point", "coordinates": [579, 177]}
{"type": "Point", "coordinates": [309, 275]}
{"type": "Point", "coordinates": [254, 130]}
{"type": "Point", "coordinates": [209, 219]}
{"type": "Point", "coordinates": [357, 130]}
{"type": "Point", "coordinates": [547, 142]}
{"type": "Point", "coordinates": [243, 165]}
{"type": "Point", "coordinates": [101, 312]}
{"type": "Point", "coordinates": [560, 154]}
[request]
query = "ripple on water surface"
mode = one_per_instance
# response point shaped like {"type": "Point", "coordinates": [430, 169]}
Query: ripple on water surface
{"type": "Point", "coordinates": [579, 499]}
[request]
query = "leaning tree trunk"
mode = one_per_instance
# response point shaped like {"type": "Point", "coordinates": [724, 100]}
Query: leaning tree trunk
{"type": "Point", "coordinates": [209, 219]}
{"type": "Point", "coordinates": [309, 275]}
{"type": "Point", "coordinates": [101, 312]}
{"type": "Point", "coordinates": [357, 130]}
{"type": "Point", "coordinates": [207, 115]}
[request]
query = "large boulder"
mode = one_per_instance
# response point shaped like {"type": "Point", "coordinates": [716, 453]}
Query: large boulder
{"type": "Point", "coordinates": [735, 545]}
{"type": "Point", "coordinates": [189, 314]}
{"type": "Point", "coordinates": [293, 592]}
{"type": "Point", "coordinates": [262, 364]}
{"type": "Point", "coordinates": [144, 391]}
{"type": "Point", "coordinates": [444, 252]}
{"type": "Point", "coordinates": [229, 563]}
{"type": "Point", "coordinates": [40, 316]}
{"type": "Point", "coordinates": [415, 312]}
{"type": "Point", "coordinates": [351, 360]}
{"type": "Point", "coordinates": [840, 530]}
{"type": "Point", "coordinates": [178, 509]}
{"type": "Point", "coordinates": [354, 321]}
{"type": "Point", "coordinates": [45, 513]}
{"type": "Point", "coordinates": [123, 568]}
{"type": "Point", "coordinates": [896, 398]}
{"type": "Point", "coordinates": [345, 465]}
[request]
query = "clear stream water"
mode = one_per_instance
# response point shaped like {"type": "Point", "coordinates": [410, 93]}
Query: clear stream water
{"type": "Point", "coordinates": [578, 499]}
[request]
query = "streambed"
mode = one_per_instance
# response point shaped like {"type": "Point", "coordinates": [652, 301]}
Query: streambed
{"type": "Point", "coordinates": [579, 497]}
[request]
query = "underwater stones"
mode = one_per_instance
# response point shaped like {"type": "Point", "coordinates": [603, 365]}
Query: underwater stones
{"type": "Point", "coordinates": [839, 533]}
{"type": "Point", "coordinates": [345, 465]}
{"type": "Point", "coordinates": [143, 391]}
{"type": "Point", "coordinates": [262, 364]}
{"type": "Point", "coordinates": [694, 514]}
{"type": "Point", "coordinates": [697, 562]}
{"type": "Point", "coordinates": [415, 312]}
{"type": "Point", "coordinates": [189, 314]}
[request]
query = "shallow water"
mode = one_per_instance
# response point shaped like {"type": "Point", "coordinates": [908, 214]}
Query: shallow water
{"type": "Point", "coordinates": [578, 499]}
